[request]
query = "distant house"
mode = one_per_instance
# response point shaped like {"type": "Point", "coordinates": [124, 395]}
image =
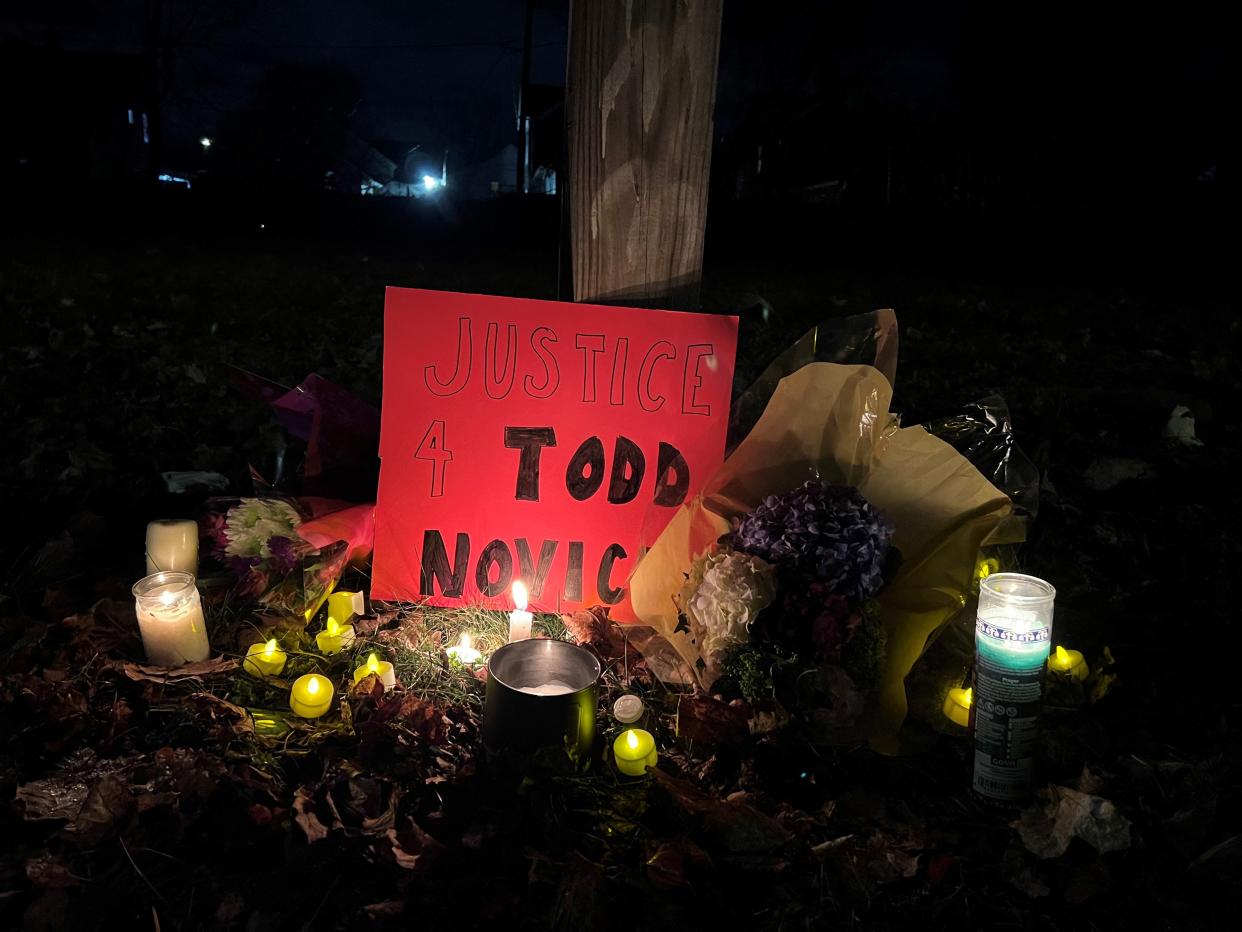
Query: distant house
{"type": "Point", "coordinates": [364, 168]}
{"type": "Point", "coordinates": [80, 116]}
{"type": "Point", "coordinates": [545, 137]}
{"type": "Point", "coordinates": [488, 177]}
{"type": "Point", "coordinates": [419, 170]}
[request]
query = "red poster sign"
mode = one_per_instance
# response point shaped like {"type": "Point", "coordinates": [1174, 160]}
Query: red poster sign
{"type": "Point", "coordinates": [539, 440]}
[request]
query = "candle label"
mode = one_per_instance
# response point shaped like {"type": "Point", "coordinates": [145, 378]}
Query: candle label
{"type": "Point", "coordinates": [1009, 677]}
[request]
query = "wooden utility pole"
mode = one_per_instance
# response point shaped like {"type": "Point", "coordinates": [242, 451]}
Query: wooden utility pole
{"type": "Point", "coordinates": [641, 89]}
{"type": "Point", "coordinates": [522, 183]}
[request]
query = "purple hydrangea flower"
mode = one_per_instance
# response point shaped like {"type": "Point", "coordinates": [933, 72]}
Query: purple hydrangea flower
{"type": "Point", "coordinates": [827, 532]}
{"type": "Point", "coordinates": [286, 554]}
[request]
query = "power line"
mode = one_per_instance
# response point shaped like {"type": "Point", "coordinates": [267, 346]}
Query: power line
{"type": "Point", "coordinates": [504, 46]}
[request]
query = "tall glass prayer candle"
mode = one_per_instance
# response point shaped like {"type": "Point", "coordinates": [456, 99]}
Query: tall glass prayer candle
{"type": "Point", "coordinates": [519, 619]}
{"type": "Point", "coordinates": [1013, 630]}
{"type": "Point", "coordinates": [170, 618]}
{"type": "Point", "coordinates": [172, 546]}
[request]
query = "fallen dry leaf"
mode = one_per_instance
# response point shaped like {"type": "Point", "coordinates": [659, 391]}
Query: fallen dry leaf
{"type": "Point", "coordinates": [142, 673]}
{"type": "Point", "coordinates": [732, 823]}
{"type": "Point", "coordinates": [51, 798]}
{"type": "Point", "coordinates": [669, 863]}
{"type": "Point", "coordinates": [712, 721]}
{"type": "Point", "coordinates": [306, 818]}
{"type": "Point", "coordinates": [411, 845]}
{"type": "Point", "coordinates": [108, 803]}
{"type": "Point", "coordinates": [50, 872]}
{"type": "Point", "coordinates": [1048, 829]}
{"type": "Point", "coordinates": [384, 910]}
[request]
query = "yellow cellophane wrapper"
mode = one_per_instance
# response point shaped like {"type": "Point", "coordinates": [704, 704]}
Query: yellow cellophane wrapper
{"type": "Point", "coordinates": [832, 422]}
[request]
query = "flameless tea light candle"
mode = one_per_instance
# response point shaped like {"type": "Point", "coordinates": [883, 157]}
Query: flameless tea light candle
{"type": "Point", "coordinates": [1069, 663]}
{"type": "Point", "coordinates": [634, 751]}
{"type": "Point", "coordinates": [335, 637]}
{"type": "Point", "coordinates": [264, 659]}
{"type": "Point", "coordinates": [344, 605]}
{"type": "Point", "coordinates": [519, 619]}
{"type": "Point", "coordinates": [464, 651]}
{"type": "Point", "coordinates": [381, 668]}
{"type": "Point", "coordinates": [170, 619]}
{"type": "Point", "coordinates": [628, 709]}
{"type": "Point", "coordinates": [172, 546]}
{"type": "Point", "coordinates": [957, 705]}
{"type": "Point", "coordinates": [986, 568]}
{"type": "Point", "coordinates": [311, 695]}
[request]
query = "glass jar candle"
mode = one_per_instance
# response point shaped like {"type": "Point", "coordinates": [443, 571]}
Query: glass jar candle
{"type": "Point", "coordinates": [170, 618]}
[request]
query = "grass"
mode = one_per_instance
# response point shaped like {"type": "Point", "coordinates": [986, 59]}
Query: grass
{"type": "Point", "coordinates": [415, 645]}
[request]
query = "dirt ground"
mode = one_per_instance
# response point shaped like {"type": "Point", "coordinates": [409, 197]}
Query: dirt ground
{"type": "Point", "coordinates": [113, 372]}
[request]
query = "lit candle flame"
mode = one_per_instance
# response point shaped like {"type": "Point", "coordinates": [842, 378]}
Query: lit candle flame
{"type": "Point", "coordinates": [1062, 656]}
{"type": "Point", "coordinates": [167, 598]}
{"type": "Point", "coordinates": [373, 663]}
{"type": "Point", "coordinates": [465, 643]}
{"type": "Point", "coordinates": [270, 648]}
{"type": "Point", "coordinates": [333, 628]}
{"type": "Point", "coordinates": [519, 595]}
{"type": "Point", "coordinates": [312, 685]}
{"type": "Point", "coordinates": [968, 697]}
{"type": "Point", "coordinates": [631, 739]}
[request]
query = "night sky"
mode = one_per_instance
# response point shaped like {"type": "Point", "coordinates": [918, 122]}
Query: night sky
{"type": "Point", "coordinates": [1091, 109]}
{"type": "Point", "coordinates": [436, 68]}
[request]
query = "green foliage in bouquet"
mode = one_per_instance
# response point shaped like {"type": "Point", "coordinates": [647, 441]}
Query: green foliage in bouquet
{"type": "Point", "coordinates": [863, 654]}
{"type": "Point", "coordinates": [753, 669]}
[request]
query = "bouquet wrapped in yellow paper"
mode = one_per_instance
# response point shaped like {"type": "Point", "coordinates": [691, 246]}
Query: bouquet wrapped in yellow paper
{"type": "Point", "coordinates": [812, 508]}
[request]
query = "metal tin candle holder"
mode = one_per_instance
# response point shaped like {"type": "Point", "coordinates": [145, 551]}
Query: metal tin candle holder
{"type": "Point", "coordinates": [541, 694]}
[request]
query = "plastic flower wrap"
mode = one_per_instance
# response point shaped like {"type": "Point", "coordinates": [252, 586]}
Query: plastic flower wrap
{"type": "Point", "coordinates": [259, 540]}
{"type": "Point", "coordinates": [723, 593]}
{"type": "Point", "coordinates": [831, 423]}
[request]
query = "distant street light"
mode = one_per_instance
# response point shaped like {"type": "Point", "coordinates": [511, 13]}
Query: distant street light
{"type": "Point", "coordinates": [205, 142]}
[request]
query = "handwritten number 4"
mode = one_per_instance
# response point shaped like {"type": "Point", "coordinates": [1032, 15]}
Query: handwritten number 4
{"type": "Point", "coordinates": [432, 449]}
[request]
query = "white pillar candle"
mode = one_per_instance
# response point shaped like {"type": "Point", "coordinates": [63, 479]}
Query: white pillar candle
{"type": "Point", "coordinates": [170, 618]}
{"type": "Point", "coordinates": [519, 619]}
{"type": "Point", "coordinates": [172, 546]}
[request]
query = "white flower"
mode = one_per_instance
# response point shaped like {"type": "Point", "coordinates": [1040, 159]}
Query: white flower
{"type": "Point", "coordinates": [250, 525]}
{"type": "Point", "coordinates": [721, 597]}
